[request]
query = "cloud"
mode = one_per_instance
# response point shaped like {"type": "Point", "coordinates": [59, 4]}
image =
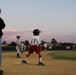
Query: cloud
{"type": "Point", "coordinates": [10, 35]}
{"type": "Point", "coordinates": [10, 30]}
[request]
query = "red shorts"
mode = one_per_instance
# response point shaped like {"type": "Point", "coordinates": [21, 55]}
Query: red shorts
{"type": "Point", "coordinates": [34, 48]}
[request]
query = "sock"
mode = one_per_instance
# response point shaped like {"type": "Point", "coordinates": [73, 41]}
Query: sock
{"type": "Point", "coordinates": [40, 59]}
{"type": "Point", "coordinates": [27, 56]}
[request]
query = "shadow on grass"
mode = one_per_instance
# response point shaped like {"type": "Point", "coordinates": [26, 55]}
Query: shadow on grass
{"type": "Point", "coordinates": [66, 55]}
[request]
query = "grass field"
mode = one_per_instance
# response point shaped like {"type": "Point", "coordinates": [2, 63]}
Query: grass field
{"type": "Point", "coordinates": [67, 55]}
{"type": "Point", "coordinates": [56, 63]}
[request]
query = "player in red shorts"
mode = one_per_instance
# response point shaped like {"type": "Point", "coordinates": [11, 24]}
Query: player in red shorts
{"type": "Point", "coordinates": [34, 47]}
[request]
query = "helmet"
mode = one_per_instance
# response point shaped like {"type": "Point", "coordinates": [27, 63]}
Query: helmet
{"type": "Point", "coordinates": [36, 32]}
{"type": "Point", "coordinates": [18, 36]}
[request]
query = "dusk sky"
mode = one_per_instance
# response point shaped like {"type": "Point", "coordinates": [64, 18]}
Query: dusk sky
{"type": "Point", "coordinates": [55, 18]}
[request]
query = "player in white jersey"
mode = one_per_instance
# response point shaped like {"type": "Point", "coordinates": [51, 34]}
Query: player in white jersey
{"type": "Point", "coordinates": [34, 47]}
{"type": "Point", "coordinates": [18, 46]}
{"type": "Point", "coordinates": [45, 47]}
{"type": "Point", "coordinates": [22, 47]}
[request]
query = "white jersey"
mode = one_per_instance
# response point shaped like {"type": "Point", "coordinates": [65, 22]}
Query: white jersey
{"type": "Point", "coordinates": [18, 42]}
{"type": "Point", "coordinates": [22, 44]}
{"type": "Point", "coordinates": [35, 40]}
{"type": "Point", "coordinates": [45, 44]}
{"type": "Point", "coordinates": [17, 45]}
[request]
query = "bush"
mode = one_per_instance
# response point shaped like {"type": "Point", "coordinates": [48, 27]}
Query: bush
{"type": "Point", "coordinates": [9, 48]}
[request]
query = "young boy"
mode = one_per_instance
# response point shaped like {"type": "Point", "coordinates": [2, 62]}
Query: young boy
{"type": "Point", "coordinates": [34, 46]}
{"type": "Point", "coordinates": [18, 46]}
{"type": "Point", "coordinates": [45, 47]}
{"type": "Point", "coordinates": [22, 47]}
{"type": "Point", "coordinates": [2, 26]}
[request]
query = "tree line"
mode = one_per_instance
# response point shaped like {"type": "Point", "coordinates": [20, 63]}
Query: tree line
{"type": "Point", "coordinates": [53, 42]}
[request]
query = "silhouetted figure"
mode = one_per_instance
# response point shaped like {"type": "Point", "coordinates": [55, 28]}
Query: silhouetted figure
{"type": "Point", "coordinates": [2, 26]}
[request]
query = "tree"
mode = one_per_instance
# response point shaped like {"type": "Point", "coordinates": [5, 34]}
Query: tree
{"type": "Point", "coordinates": [4, 42]}
{"type": "Point", "coordinates": [26, 43]}
{"type": "Point", "coordinates": [12, 44]}
{"type": "Point", "coordinates": [42, 42]}
{"type": "Point", "coordinates": [54, 42]}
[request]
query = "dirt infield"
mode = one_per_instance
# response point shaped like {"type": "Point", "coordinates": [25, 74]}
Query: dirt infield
{"type": "Point", "coordinates": [12, 65]}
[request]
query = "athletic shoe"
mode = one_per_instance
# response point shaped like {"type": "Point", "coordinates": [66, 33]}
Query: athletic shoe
{"type": "Point", "coordinates": [24, 61]}
{"type": "Point", "coordinates": [18, 57]}
{"type": "Point", "coordinates": [21, 51]}
{"type": "Point", "coordinates": [41, 64]}
{"type": "Point", "coordinates": [1, 72]}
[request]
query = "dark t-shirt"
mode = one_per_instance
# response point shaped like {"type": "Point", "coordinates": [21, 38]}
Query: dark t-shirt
{"type": "Point", "coordinates": [2, 26]}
